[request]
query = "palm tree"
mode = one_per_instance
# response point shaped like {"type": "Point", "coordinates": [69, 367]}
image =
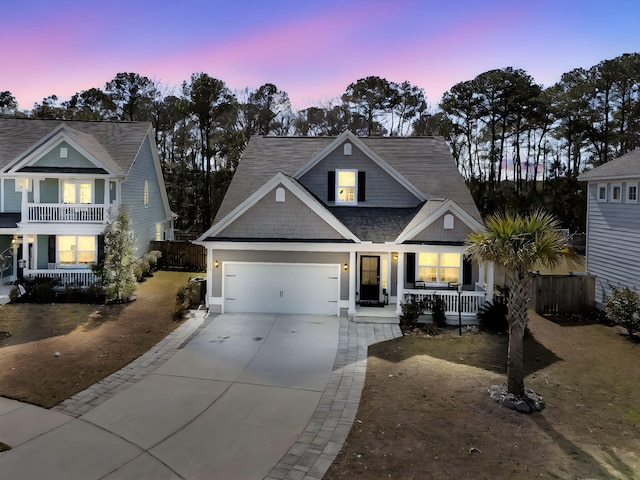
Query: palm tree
{"type": "Point", "coordinates": [518, 243]}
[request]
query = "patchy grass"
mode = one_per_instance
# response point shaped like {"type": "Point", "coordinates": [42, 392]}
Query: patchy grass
{"type": "Point", "coordinates": [425, 412]}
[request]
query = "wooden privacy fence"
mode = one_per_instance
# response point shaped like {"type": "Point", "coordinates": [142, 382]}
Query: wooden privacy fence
{"type": "Point", "coordinates": [562, 294]}
{"type": "Point", "coordinates": [181, 254]}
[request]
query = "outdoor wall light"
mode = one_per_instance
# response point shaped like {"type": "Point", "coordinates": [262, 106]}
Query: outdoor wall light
{"type": "Point", "coordinates": [346, 267]}
{"type": "Point", "coordinates": [216, 263]}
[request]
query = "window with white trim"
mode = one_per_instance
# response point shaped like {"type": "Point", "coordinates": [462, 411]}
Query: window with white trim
{"type": "Point", "coordinates": [602, 192]}
{"type": "Point", "coordinates": [346, 186]}
{"type": "Point", "coordinates": [439, 267]}
{"type": "Point", "coordinates": [158, 231]}
{"type": "Point", "coordinates": [616, 192]}
{"type": "Point", "coordinates": [146, 193]}
{"type": "Point", "coordinates": [632, 193]}
{"type": "Point", "coordinates": [74, 250]}
{"type": "Point", "coordinates": [77, 191]}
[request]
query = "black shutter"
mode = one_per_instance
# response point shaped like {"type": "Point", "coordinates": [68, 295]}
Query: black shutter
{"type": "Point", "coordinates": [331, 186]}
{"type": "Point", "coordinates": [52, 249]}
{"type": "Point", "coordinates": [361, 186]}
{"type": "Point", "coordinates": [411, 268]}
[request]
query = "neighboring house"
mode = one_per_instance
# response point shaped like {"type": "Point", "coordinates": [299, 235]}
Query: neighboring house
{"type": "Point", "coordinates": [330, 225]}
{"type": "Point", "coordinates": [61, 182]}
{"type": "Point", "coordinates": [613, 223]}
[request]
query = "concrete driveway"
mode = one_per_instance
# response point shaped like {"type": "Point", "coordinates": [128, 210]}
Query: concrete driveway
{"type": "Point", "coordinates": [229, 404]}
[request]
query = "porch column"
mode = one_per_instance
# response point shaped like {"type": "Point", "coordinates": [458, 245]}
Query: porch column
{"type": "Point", "coordinates": [210, 267]}
{"type": "Point", "coordinates": [400, 283]}
{"type": "Point", "coordinates": [352, 284]}
{"type": "Point", "coordinates": [490, 285]}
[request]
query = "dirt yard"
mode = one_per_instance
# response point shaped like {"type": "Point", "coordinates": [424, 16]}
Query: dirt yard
{"type": "Point", "coordinates": [425, 412]}
{"type": "Point", "coordinates": [93, 340]}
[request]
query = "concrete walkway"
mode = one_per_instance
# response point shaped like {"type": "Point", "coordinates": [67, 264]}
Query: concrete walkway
{"type": "Point", "coordinates": [232, 396]}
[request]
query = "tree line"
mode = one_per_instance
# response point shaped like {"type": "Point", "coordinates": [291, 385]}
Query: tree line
{"type": "Point", "coordinates": [516, 143]}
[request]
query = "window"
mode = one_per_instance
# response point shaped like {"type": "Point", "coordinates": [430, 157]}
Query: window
{"type": "Point", "coordinates": [438, 267]}
{"type": "Point", "coordinates": [346, 186]}
{"type": "Point", "coordinates": [158, 231]}
{"type": "Point", "coordinates": [448, 222]}
{"type": "Point", "coordinates": [77, 192]}
{"type": "Point", "coordinates": [347, 149]}
{"type": "Point", "coordinates": [24, 184]}
{"type": "Point", "coordinates": [76, 250]}
{"type": "Point", "coordinates": [146, 193]}
{"type": "Point", "coordinates": [616, 193]}
{"type": "Point", "coordinates": [280, 195]}
{"type": "Point", "coordinates": [602, 192]}
{"type": "Point", "coordinates": [632, 193]}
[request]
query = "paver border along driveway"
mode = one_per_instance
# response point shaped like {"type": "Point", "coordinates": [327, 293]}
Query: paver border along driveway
{"type": "Point", "coordinates": [249, 396]}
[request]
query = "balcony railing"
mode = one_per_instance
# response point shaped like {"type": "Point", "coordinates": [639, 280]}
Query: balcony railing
{"type": "Point", "coordinates": [66, 213]}
{"type": "Point", "coordinates": [70, 278]}
{"type": "Point", "coordinates": [470, 301]}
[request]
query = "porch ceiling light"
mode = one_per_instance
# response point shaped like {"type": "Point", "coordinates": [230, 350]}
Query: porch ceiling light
{"type": "Point", "coordinates": [216, 263]}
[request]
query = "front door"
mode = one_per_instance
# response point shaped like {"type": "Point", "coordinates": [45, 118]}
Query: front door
{"type": "Point", "coordinates": [370, 278]}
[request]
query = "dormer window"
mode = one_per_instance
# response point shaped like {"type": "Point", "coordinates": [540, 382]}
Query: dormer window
{"type": "Point", "coordinates": [346, 186]}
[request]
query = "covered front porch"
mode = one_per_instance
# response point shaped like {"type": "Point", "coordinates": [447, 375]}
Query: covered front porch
{"type": "Point", "coordinates": [381, 281]}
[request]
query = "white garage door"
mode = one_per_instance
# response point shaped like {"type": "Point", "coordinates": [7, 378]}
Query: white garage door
{"type": "Point", "coordinates": [281, 288]}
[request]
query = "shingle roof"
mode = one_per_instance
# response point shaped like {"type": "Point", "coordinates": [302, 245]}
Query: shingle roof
{"type": "Point", "coordinates": [628, 165]}
{"type": "Point", "coordinates": [115, 144]}
{"type": "Point", "coordinates": [425, 161]}
{"type": "Point", "coordinates": [375, 224]}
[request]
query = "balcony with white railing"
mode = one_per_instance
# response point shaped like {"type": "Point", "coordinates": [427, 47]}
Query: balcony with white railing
{"type": "Point", "coordinates": [65, 213]}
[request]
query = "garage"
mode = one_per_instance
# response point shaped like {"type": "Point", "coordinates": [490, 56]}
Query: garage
{"type": "Point", "coordinates": [253, 287]}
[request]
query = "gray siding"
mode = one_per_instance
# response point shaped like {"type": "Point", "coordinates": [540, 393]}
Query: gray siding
{"type": "Point", "coordinates": [143, 218]}
{"type": "Point", "coordinates": [49, 190]}
{"type": "Point", "coordinates": [280, 257]}
{"type": "Point", "coordinates": [435, 232]}
{"type": "Point", "coordinates": [74, 158]}
{"type": "Point", "coordinates": [42, 245]}
{"type": "Point", "coordinates": [382, 190]}
{"type": "Point", "coordinates": [99, 193]}
{"type": "Point", "coordinates": [613, 236]}
{"type": "Point", "coordinates": [12, 199]}
{"type": "Point", "coordinates": [290, 219]}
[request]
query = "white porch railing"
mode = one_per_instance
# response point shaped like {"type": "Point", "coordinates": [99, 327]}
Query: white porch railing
{"type": "Point", "coordinates": [66, 213]}
{"type": "Point", "coordinates": [470, 302]}
{"type": "Point", "coordinates": [71, 278]}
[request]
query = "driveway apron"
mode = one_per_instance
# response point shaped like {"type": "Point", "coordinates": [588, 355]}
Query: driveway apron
{"type": "Point", "coordinates": [227, 405]}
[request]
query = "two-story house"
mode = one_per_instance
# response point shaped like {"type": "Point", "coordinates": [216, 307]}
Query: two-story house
{"type": "Point", "coordinates": [336, 225]}
{"type": "Point", "coordinates": [61, 182]}
{"type": "Point", "coordinates": [613, 223]}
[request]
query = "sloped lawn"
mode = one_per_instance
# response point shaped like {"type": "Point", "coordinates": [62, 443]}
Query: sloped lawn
{"type": "Point", "coordinates": [425, 412]}
{"type": "Point", "coordinates": [93, 340]}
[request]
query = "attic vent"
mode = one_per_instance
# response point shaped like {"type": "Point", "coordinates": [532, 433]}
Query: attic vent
{"type": "Point", "coordinates": [64, 152]}
{"type": "Point", "coordinates": [280, 195]}
{"type": "Point", "coordinates": [448, 222]}
{"type": "Point", "coordinates": [347, 149]}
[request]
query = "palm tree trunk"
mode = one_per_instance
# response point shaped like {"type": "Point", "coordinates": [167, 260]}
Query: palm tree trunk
{"type": "Point", "coordinates": [518, 303]}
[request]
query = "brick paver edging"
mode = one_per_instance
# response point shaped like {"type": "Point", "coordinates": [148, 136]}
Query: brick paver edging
{"type": "Point", "coordinates": [317, 447]}
{"type": "Point", "coordinates": [99, 392]}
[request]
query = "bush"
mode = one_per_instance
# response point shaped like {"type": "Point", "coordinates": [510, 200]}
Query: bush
{"type": "Point", "coordinates": [152, 258]}
{"type": "Point", "coordinates": [411, 311]}
{"type": "Point", "coordinates": [492, 316]}
{"type": "Point", "coordinates": [44, 293]}
{"type": "Point", "coordinates": [437, 311]}
{"type": "Point", "coordinates": [621, 306]}
{"type": "Point", "coordinates": [183, 300]}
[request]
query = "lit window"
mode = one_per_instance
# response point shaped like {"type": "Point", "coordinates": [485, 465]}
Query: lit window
{"type": "Point", "coordinates": [24, 184]}
{"type": "Point", "coordinates": [146, 193]}
{"type": "Point", "coordinates": [346, 186]}
{"type": "Point", "coordinates": [158, 231]}
{"type": "Point", "coordinates": [76, 250]}
{"type": "Point", "coordinates": [632, 193]}
{"type": "Point", "coordinates": [77, 192]}
{"type": "Point", "coordinates": [438, 267]}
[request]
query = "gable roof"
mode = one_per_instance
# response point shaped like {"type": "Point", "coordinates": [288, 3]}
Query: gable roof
{"type": "Point", "coordinates": [426, 161]}
{"type": "Point", "coordinates": [295, 188]}
{"type": "Point", "coordinates": [113, 144]}
{"type": "Point", "coordinates": [626, 166]}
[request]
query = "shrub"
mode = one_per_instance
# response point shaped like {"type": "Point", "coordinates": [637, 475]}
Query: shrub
{"type": "Point", "coordinates": [412, 310]}
{"type": "Point", "coordinates": [621, 306]}
{"type": "Point", "coordinates": [14, 295]}
{"type": "Point", "coordinates": [144, 266]}
{"type": "Point", "coordinates": [437, 311]}
{"type": "Point", "coordinates": [493, 315]}
{"type": "Point", "coordinates": [152, 258]}
{"type": "Point", "coordinates": [183, 300]}
{"type": "Point", "coordinates": [44, 293]}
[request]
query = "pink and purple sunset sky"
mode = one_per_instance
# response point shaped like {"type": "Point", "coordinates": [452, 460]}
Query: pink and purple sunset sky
{"type": "Point", "coordinates": [310, 49]}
